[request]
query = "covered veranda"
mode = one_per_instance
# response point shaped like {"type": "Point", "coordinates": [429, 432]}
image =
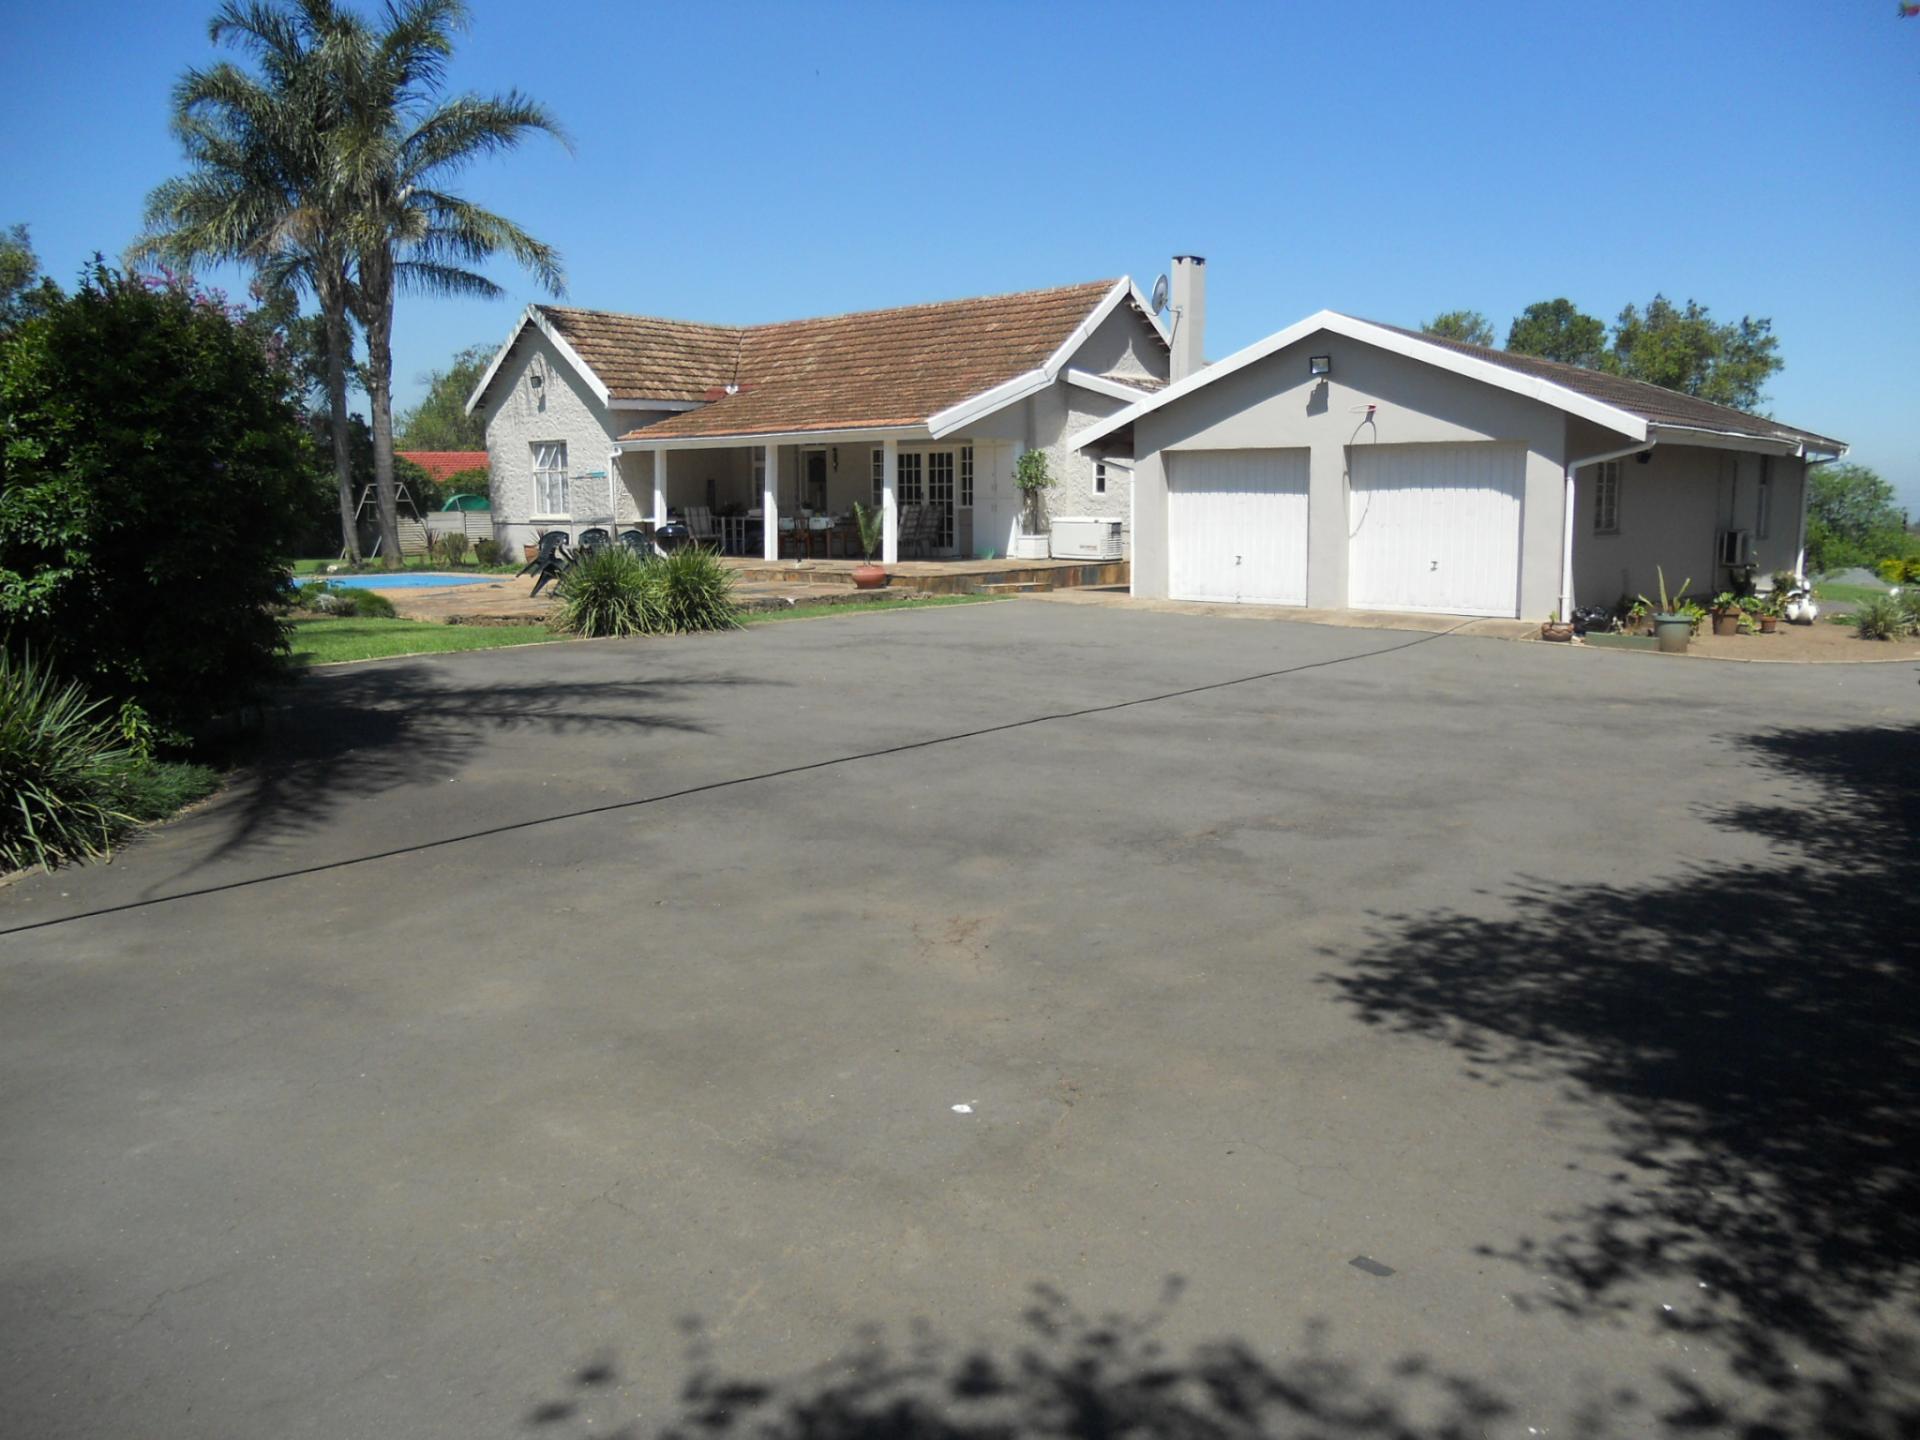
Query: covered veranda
{"type": "Point", "coordinates": [792, 495]}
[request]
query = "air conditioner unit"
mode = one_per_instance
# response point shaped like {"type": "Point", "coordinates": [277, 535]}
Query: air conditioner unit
{"type": "Point", "coordinates": [1082, 537]}
{"type": "Point", "coordinates": [1736, 547]}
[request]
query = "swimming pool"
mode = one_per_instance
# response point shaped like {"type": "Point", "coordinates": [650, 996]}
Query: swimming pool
{"type": "Point", "coordinates": [393, 582]}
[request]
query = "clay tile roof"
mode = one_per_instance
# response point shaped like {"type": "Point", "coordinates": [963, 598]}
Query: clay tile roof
{"type": "Point", "coordinates": [1652, 403]}
{"type": "Point", "coordinates": [638, 357]}
{"type": "Point", "coordinates": [875, 368]}
{"type": "Point", "coordinates": [439, 464]}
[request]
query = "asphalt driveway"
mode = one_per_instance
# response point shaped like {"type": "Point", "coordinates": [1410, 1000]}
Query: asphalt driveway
{"type": "Point", "coordinates": [527, 1003]}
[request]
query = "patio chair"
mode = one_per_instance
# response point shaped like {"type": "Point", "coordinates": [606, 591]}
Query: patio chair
{"type": "Point", "coordinates": [701, 524]}
{"type": "Point", "coordinates": [550, 561]}
{"type": "Point", "coordinates": [550, 543]}
{"type": "Point", "coordinates": [640, 542]}
{"type": "Point", "coordinates": [918, 531]}
{"type": "Point", "coordinates": [594, 539]}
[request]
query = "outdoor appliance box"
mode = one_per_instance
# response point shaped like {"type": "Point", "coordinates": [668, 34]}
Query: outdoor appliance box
{"type": "Point", "coordinates": [1081, 537]}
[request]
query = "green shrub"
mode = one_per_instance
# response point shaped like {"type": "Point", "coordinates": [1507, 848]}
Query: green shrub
{"type": "Point", "coordinates": [1880, 618]}
{"type": "Point", "coordinates": [156, 789]}
{"type": "Point", "coordinates": [610, 592]}
{"type": "Point", "coordinates": [615, 592]}
{"type": "Point", "coordinates": [486, 552]}
{"type": "Point", "coordinates": [698, 591]}
{"type": "Point", "coordinates": [453, 548]}
{"type": "Point", "coordinates": [150, 490]}
{"type": "Point", "coordinates": [369, 605]}
{"type": "Point", "coordinates": [61, 759]}
{"type": "Point", "coordinates": [1909, 602]}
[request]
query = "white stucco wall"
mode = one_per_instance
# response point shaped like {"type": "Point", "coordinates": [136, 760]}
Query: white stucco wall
{"type": "Point", "coordinates": [1274, 403]}
{"type": "Point", "coordinates": [565, 409]}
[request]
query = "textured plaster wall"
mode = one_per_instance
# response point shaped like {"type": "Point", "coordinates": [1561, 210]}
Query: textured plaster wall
{"type": "Point", "coordinates": [565, 409]}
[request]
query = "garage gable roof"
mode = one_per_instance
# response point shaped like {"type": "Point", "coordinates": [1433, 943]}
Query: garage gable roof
{"type": "Point", "coordinates": [1631, 408]}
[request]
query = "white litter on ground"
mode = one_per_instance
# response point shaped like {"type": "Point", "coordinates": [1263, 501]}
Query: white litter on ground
{"type": "Point", "coordinates": [963, 1109]}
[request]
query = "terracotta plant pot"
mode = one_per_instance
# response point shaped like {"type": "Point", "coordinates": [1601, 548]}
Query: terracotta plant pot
{"type": "Point", "coordinates": [868, 576]}
{"type": "Point", "coordinates": [1769, 624]}
{"type": "Point", "coordinates": [529, 551]}
{"type": "Point", "coordinates": [1559, 634]}
{"type": "Point", "coordinates": [1726, 622]}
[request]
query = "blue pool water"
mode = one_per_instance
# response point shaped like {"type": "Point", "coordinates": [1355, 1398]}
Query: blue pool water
{"type": "Point", "coordinates": [394, 582]}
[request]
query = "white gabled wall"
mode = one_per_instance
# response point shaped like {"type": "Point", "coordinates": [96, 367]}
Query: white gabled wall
{"type": "Point", "coordinates": [566, 409]}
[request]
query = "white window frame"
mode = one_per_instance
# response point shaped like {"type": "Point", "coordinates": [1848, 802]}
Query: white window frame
{"type": "Point", "coordinates": [963, 497]}
{"type": "Point", "coordinates": [1763, 501]}
{"type": "Point", "coordinates": [1606, 498]}
{"type": "Point", "coordinates": [546, 477]}
{"type": "Point", "coordinates": [879, 477]}
{"type": "Point", "coordinates": [759, 455]}
{"type": "Point", "coordinates": [1099, 477]}
{"type": "Point", "coordinates": [916, 493]}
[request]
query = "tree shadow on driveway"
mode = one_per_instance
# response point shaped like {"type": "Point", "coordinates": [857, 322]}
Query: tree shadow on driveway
{"type": "Point", "coordinates": [1753, 1038]}
{"type": "Point", "coordinates": [343, 739]}
{"type": "Point", "coordinates": [1075, 1376]}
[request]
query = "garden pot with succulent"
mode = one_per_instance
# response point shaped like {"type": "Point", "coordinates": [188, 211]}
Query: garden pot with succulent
{"type": "Point", "coordinates": [1559, 631]}
{"type": "Point", "coordinates": [1726, 614]}
{"type": "Point", "coordinates": [872, 523]}
{"type": "Point", "coordinates": [1673, 620]}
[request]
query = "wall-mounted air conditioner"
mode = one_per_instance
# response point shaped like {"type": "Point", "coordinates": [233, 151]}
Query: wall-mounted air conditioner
{"type": "Point", "coordinates": [1082, 537]}
{"type": "Point", "coordinates": [1736, 547]}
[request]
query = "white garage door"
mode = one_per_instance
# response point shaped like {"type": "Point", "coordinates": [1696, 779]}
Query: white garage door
{"type": "Point", "coordinates": [1435, 527]}
{"type": "Point", "coordinates": [1237, 526]}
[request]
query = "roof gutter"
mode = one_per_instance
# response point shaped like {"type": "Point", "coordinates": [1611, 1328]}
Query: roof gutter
{"type": "Point", "coordinates": [1568, 509]}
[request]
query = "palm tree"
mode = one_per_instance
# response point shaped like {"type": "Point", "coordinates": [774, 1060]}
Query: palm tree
{"type": "Point", "coordinates": [409, 231]}
{"type": "Point", "coordinates": [264, 188]}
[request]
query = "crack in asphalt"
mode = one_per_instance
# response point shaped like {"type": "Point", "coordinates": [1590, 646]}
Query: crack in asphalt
{"type": "Point", "coordinates": [614, 807]}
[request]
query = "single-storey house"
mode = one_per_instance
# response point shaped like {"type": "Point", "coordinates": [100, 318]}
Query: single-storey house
{"type": "Point", "coordinates": [595, 418]}
{"type": "Point", "coordinates": [1342, 463]}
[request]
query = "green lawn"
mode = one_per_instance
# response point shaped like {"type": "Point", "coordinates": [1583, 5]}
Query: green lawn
{"type": "Point", "coordinates": [414, 562]}
{"type": "Point", "coordinates": [1854, 593]}
{"type": "Point", "coordinates": [325, 642]}
{"type": "Point", "coordinates": [865, 607]}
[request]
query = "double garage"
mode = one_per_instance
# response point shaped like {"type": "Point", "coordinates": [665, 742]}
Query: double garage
{"type": "Point", "coordinates": [1342, 464]}
{"type": "Point", "coordinates": [1429, 527]}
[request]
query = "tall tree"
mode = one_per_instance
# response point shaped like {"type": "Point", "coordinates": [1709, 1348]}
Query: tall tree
{"type": "Point", "coordinates": [1852, 518]}
{"type": "Point", "coordinates": [265, 184]}
{"type": "Point", "coordinates": [1469, 326]}
{"type": "Point", "coordinates": [1557, 330]}
{"type": "Point", "coordinates": [409, 231]}
{"type": "Point", "coordinates": [24, 291]}
{"type": "Point", "coordinates": [440, 421]}
{"type": "Point", "coordinates": [1687, 350]}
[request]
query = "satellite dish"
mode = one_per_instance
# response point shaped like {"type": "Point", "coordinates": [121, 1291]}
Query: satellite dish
{"type": "Point", "coordinates": [1159, 294]}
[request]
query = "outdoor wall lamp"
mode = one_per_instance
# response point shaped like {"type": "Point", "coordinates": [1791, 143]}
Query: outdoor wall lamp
{"type": "Point", "coordinates": [1319, 367]}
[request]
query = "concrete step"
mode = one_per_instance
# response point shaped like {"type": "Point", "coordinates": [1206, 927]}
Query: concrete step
{"type": "Point", "coordinates": [1011, 587]}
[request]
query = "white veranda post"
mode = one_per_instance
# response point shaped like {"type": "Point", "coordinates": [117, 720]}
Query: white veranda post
{"type": "Point", "coordinates": [770, 505]}
{"type": "Point", "coordinates": [659, 487]}
{"type": "Point", "coordinates": [889, 502]}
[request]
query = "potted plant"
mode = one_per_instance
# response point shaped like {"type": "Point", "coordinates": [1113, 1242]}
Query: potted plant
{"type": "Point", "coordinates": [872, 523]}
{"type": "Point", "coordinates": [1726, 614]}
{"type": "Point", "coordinates": [1639, 617]}
{"type": "Point", "coordinates": [1557, 630]}
{"type": "Point", "coordinates": [1032, 479]}
{"type": "Point", "coordinates": [1674, 620]}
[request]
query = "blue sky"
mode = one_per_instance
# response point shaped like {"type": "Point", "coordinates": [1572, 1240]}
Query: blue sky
{"type": "Point", "coordinates": [740, 163]}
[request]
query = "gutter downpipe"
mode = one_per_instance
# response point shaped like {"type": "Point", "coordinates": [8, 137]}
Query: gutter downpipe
{"type": "Point", "coordinates": [1806, 489]}
{"type": "Point", "coordinates": [1566, 537]}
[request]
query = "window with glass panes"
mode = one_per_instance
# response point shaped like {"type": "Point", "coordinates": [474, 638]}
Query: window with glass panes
{"type": "Point", "coordinates": [550, 478]}
{"type": "Point", "coordinates": [966, 477]}
{"type": "Point", "coordinates": [1606, 498]}
{"type": "Point", "coordinates": [907, 483]}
